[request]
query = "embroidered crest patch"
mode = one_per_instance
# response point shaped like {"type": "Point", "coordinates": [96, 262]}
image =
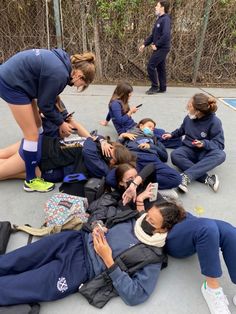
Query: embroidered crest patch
{"type": "Point", "coordinates": [62, 284]}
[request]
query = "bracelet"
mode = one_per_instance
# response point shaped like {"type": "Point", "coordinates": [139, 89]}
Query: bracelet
{"type": "Point", "coordinates": [141, 202]}
{"type": "Point", "coordinates": [134, 183]}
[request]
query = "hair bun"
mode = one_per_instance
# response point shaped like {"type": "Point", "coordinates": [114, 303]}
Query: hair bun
{"type": "Point", "coordinates": [90, 57]}
{"type": "Point", "coordinates": [211, 100]}
{"type": "Point", "coordinates": [212, 104]}
{"type": "Point", "coordinates": [87, 56]}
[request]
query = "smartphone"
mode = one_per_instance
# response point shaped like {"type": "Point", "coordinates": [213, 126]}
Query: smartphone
{"type": "Point", "coordinates": [139, 106]}
{"type": "Point", "coordinates": [154, 192]}
{"type": "Point", "coordinates": [69, 115]}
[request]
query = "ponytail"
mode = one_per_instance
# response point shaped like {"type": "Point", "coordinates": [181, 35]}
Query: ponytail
{"type": "Point", "coordinates": [204, 103]}
{"type": "Point", "coordinates": [212, 104]}
{"type": "Point", "coordinates": [86, 63]}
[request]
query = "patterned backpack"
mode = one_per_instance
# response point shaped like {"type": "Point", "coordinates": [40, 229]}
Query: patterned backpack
{"type": "Point", "coordinates": [61, 207]}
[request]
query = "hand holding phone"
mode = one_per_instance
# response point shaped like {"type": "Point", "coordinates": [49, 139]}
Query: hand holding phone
{"type": "Point", "coordinates": [139, 106]}
{"type": "Point", "coordinates": [69, 115]}
{"type": "Point", "coordinates": [154, 192]}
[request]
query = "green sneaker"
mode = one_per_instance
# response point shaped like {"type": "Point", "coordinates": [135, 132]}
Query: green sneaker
{"type": "Point", "coordinates": [38, 185]}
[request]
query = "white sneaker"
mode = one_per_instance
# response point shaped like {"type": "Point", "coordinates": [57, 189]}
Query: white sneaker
{"type": "Point", "coordinates": [234, 300]}
{"type": "Point", "coordinates": [216, 301]}
{"type": "Point", "coordinates": [183, 187]}
{"type": "Point", "coordinates": [169, 194]}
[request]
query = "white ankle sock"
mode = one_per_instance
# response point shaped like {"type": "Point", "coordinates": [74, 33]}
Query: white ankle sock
{"type": "Point", "coordinates": [213, 290]}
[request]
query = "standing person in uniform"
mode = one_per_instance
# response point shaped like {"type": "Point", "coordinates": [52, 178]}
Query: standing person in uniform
{"type": "Point", "coordinates": [41, 74]}
{"type": "Point", "coordinates": [160, 43]}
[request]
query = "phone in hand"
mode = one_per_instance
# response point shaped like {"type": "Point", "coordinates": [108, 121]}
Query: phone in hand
{"type": "Point", "coordinates": [139, 106]}
{"type": "Point", "coordinates": [69, 115]}
{"type": "Point", "coordinates": [154, 192]}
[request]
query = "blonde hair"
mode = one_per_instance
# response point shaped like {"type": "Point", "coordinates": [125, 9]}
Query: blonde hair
{"type": "Point", "coordinates": [203, 103]}
{"type": "Point", "coordinates": [86, 63]}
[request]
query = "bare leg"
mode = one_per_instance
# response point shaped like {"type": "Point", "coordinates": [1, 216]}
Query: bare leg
{"type": "Point", "coordinates": [12, 167]}
{"type": "Point", "coordinates": [9, 150]}
{"type": "Point", "coordinates": [37, 117]}
{"type": "Point", "coordinates": [16, 176]}
{"type": "Point", "coordinates": [24, 116]}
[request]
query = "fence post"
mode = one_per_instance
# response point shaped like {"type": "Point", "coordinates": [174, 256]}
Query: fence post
{"type": "Point", "coordinates": [56, 7]}
{"type": "Point", "coordinates": [201, 40]}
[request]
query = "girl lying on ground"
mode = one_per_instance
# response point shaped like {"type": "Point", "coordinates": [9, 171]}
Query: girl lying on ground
{"type": "Point", "coordinates": [167, 177]}
{"type": "Point", "coordinates": [64, 261]}
{"type": "Point", "coordinates": [203, 144]}
{"type": "Point", "coordinates": [121, 114]}
{"type": "Point", "coordinates": [56, 160]}
{"type": "Point", "coordinates": [142, 141]}
{"type": "Point", "coordinates": [203, 236]}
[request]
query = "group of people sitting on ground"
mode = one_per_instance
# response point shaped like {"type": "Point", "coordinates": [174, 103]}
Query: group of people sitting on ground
{"type": "Point", "coordinates": [129, 250]}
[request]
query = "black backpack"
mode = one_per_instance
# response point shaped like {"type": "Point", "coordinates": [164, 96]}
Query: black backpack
{"type": "Point", "coordinates": [5, 231]}
{"type": "Point", "coordinates": [94, 188]}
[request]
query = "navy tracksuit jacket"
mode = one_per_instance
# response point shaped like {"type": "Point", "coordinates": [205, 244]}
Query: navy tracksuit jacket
{"type": "Point", "coordinates": [166, 176]}
{"type": "Point", "coordinates": [160, 37]}
{"type": "Point", "coordinates": [195, 162]}
{"type": "Point", "coordinates": [40, 73]}
{"type": "Point", "coordinates": [57, 265]}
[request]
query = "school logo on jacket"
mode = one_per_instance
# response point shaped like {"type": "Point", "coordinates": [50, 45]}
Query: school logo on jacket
{"type": "Point", "coordinates": [62, 284]}
{"type": "Point", "coordinates": [203, 134]}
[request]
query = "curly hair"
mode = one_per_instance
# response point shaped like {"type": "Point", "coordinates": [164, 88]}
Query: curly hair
{"type": "Point", "coordinates": [171, 212]}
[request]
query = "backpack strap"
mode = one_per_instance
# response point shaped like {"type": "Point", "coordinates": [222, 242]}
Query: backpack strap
{"type": "Point", "coordinates": [73, 223]}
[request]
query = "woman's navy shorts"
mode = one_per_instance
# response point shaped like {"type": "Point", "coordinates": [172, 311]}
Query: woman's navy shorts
{"type": "Point", "coordinates": [13, 96]}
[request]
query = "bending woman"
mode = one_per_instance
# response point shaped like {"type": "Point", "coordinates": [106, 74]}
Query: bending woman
{"type": "Point", "coordinates": [41, 74]}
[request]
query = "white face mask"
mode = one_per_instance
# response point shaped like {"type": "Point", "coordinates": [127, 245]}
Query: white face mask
{"type": "Point", "coordinates": [192, 116]}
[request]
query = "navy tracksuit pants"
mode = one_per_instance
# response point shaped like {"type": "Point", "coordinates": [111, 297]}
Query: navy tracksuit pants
{"type": "Point", "coordinates": [157, 68]}
{"type": "Point", "coordinates": [46, 270]}
{"type": "Point", "coordinates": [196, 162]}
{"type": "Point", "coordinates": [166, 176]}
{"type": "Point", "coordinates": [205, 237]}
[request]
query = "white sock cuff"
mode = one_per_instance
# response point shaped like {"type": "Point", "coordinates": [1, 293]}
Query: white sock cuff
{"type": "Point", "coordinates": [30, 146]}
{"type": "Point", "coordinates": [40, 130]}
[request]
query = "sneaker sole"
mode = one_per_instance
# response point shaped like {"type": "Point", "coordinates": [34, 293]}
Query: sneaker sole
{"type": "Point", "coordinates": [30, 190]}
{"type": "Point", "coordinates": [211, 309]}
{"type": "Point", "coordinates": [183, 188]}
{"type": "Point", "coordinates": [172, 195]}
{"type": "Point", "coordinates": [234, 300]}
{"type": "Point", "coordinates": [216, 185]}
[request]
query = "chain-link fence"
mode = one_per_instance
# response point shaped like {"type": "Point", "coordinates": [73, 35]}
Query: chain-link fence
{"type": "Point", "coordinates": [203, 35]}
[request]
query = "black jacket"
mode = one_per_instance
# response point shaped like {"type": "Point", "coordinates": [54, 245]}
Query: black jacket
{"type": "Point", "coordinates": [100, 290]}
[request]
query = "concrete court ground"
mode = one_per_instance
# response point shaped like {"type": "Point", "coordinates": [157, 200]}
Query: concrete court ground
{"type": "Point", "coordinates": [178, 288]}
